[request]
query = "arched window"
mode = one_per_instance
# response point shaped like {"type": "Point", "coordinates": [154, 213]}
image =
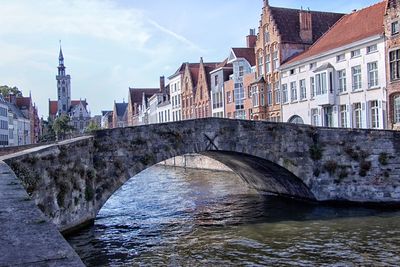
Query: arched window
{"type": "Point", "coordinates": [296, 120]}
{"type": "Point", "coordinates": [396, 108]}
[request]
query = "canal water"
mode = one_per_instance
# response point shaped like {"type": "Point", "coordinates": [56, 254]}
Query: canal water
{"type": "Point", "coordinates": [175, 217]}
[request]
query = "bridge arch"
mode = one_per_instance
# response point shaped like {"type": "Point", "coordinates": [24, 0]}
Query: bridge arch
{"type": "Point", "coordinates": [71, 181]}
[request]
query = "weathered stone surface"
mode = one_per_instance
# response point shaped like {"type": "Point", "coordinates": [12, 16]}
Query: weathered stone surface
{"type": "Point", "coordinates": [71, 181]}
{"type": "Point", "coordinates": [27, 237]}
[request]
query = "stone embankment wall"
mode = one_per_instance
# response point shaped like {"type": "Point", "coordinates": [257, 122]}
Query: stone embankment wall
{"type": "Point", "coordinates": [28, 238]}
{"type": "Point", "coordinates": [196, 161]}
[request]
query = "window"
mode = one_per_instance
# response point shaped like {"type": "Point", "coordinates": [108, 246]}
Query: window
{"type": "Point", "coordinates": [303, 90]}
{"type": "Point", "coordinates": [357, 115]}
{"type": "Point", "coordinates": [277, 94]}
{"type": "Point", "coordinates": [313, 66]}
{"type": "Point", "coordinates": [328, 116]}
{"type": "Point", "coordinates": [395, 27]}
{"type": "Point", "coordinates": [241, 71]}
{"type": "Point", "coordinates": [254, 95]}
{"type": "Point", "coordinates": [275, 60]}
{"type": "Point", "coordinates": [355, 53]}
{"type": "Point", "coordinates": [249, 92]}
{"type": "Point", "coordinates": [372, 48]}
{"type": "Point", "coordinates": [356, 73]}
{"type": "Point", "coordinates": [260, 64]}
{"type": "Point", "coordinates": [396, 109]}
{"type": "Point", "coordinates": [269, 95]}
{"type": "Point", "coordinates": [343, 116]}
{"type": "Point", "coordinates": [262, 99]}
{"type": "Point", "coordinates": [342, 81]}
{"type": "Point", "coordinates": [394, 57]}
{"type": "Point", "coordinates": [229, 97]}
{"type": "Point", "coordinates": [285, 98]}
{"type": "Point", "coordinates": [296, 120]}
{"type": "Point", "coordinates": [321, 84]}
{"type": "Point", "coordinates": [293, 91]}
{"type": "Point", "coordinates": [312, 86]}
{"type": "Point", "coordinates": [292, 71]}
{"type": "Point", "coordinates": [341, 57]}
{"type": "Point", "coordinates": [314, 117]}
{"type": "Point", "coordinates": [374, 111]}
{"type": "Point", "coordinates": [268, 63]}
{"type": "Point", "coordinates": [266, 36]}
{"type": "Point", "coordinates": [372, 74]}
{"type": "Point", "coordinates": [216, 80]}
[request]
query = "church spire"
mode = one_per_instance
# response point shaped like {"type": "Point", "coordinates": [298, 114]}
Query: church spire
{"type": "Point", "coordinates": [61, 56]}
{"type": "Point", "coordinates": [61, 67]}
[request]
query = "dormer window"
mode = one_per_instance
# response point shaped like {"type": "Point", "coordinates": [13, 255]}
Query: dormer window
{"type": "Point", "coordinates": [355, 53]}
{"type": "Point", "coordinates": [341, 57]}
{"type": "Point", "coordinates": [395, 27]}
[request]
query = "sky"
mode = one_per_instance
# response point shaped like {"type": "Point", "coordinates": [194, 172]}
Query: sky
{"type": "Point", "coordinates": [111, 45]}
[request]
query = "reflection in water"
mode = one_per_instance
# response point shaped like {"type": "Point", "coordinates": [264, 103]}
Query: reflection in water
{"type": "Point", "coordinates": [176, 217]}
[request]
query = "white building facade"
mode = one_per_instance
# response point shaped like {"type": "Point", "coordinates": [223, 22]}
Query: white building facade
{"type": "Point", "coordinates": [175, 90]}
{"type": "Point", "coordinates": [343, 87]}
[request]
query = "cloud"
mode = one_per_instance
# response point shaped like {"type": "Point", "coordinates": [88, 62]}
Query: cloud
{"type": "Point", "coordinates": [98, 19]}
{"type": "Point", "coordinates": [178, 37]}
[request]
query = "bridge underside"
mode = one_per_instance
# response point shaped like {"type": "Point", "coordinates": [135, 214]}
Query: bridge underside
{"type": "Point", "coordinates": [265, 176]}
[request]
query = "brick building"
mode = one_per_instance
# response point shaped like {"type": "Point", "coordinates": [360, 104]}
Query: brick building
{"type": "Point", "coordinates": [202, 99]}
{"type": "Point", "coordinates": [282, 34]}
{"type": "Point", "coordinates": [136, 99]}
{"type": "Point", "coordinates": [392, 32]}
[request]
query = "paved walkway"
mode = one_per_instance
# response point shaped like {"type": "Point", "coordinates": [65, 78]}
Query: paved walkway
{"type": "Point", "coordinates": [38, 148]}
{"type": "Point", "coordinates": [26, 237]}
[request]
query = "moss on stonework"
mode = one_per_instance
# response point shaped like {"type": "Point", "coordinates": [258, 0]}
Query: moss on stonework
{"type": "Point", "coordinates": [331, 166]}
{"type": "Point", "coordinates": [89, 192]}
{"type": "Point", "coordinates": [30, 179]}
{"type": "Point", "coordinates": [383, 159]}
{"type": "Point", "coordinates": [316, 152]}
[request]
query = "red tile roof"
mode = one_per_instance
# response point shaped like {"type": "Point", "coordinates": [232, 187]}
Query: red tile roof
{"type": "Point", "coordinates": [136, 94]}
{"type": "Point", "coordinates": [53, 107]}
{"type": "Point", "coordinates": [288, 23]}
{"type": "Point", "coordinates": [351, 28]}
{"type": "Point", "coordinates": [246, 53]}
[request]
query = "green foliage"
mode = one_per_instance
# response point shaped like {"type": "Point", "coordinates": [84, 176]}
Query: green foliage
{"type": "Point", "coordinates": [92, 127]}
{"type": "Point", "coordinates": [383, 159]}
{"type": "Point", "coordinates": [331, 166]}
{"type": "Point", "coordinates": [351, 153]}
{"type": "Point", "coordinates": [6, 91]}
{"type": "Point", "coordinates": [365, 166]}
{"type": "Point", "coordinates": [62, 126]}
{"type": "Point", "coordinates": [316, 152]}
{"type": "Point", "coordinates": [89, 193]}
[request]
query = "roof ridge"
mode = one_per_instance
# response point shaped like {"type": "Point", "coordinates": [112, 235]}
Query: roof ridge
{"type": "Point", "coordinates": [315, 11]}
{"type": "Point", "coordinates": [377, 3]}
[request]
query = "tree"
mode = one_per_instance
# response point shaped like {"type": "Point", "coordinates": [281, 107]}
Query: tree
{"type": "Point", "coordinates": [6, 91]}
{"type": "Point", "coordinates": [61, 126]}
{"type": "Point", "coordinates": [92, 127]}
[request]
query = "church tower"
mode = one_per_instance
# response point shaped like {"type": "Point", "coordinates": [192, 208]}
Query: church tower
{"type": "Point", "coordinates": [63, 87]}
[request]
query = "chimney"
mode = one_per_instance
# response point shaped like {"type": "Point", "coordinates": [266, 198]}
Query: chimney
{"type": "Point", "coordinates": [162, 84]}
{"type": "Point", "coordinates": [266, 3]}
{"type": "Point", "coordinates": [306, 33]}
{"type": "Point", "coordinates": [251, 39]}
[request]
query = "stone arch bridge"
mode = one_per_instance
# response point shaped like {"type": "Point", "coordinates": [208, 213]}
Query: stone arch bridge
{"type": "Point", "coordinates": [70, 181]}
